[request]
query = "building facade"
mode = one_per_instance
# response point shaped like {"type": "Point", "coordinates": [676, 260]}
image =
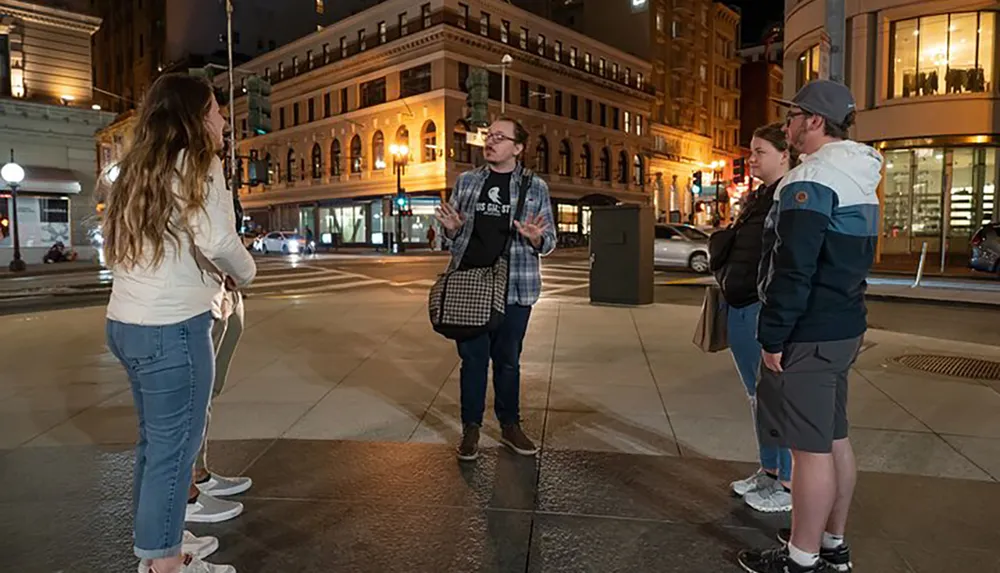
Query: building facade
{"type": "Point", "coordinates": [143, 38]}
{"type": "Point", "coordinates": [47, 123]}
{"type": "Point", "coordinates": [763, 79]}
{"type": "Point", "coordinates": [924, 76]}
{"type": "Point", "coordinates": [692, 47]}
{"type": "Point", "coordinates": [396, 74]}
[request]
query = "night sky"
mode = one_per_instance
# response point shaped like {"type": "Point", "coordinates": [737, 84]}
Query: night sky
{"type": "Point", "coordinates": [757, 16]}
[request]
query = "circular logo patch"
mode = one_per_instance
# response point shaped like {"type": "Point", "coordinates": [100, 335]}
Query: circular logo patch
{"type": "Point", "coordinates": [801, 197]}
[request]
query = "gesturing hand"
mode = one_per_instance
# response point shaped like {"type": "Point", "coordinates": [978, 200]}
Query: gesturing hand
{"type": "Point", "coordinates": [449, 218]}
{"type": "Point", "coordinates": [532, 229]}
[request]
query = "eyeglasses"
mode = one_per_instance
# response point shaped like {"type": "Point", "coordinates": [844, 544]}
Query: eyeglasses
{"type": "Point", "coordinates": [794, 114]}
{"type": "Point", "coordinates": [497, 136]}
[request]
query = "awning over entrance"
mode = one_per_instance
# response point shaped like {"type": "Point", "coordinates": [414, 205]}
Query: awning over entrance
{"type": "Point", "coordinates": [53, 180]}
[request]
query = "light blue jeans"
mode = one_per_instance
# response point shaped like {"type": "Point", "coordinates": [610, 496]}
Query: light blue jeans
{"type": "Point", "coordinates": [746, 354]}
{"type": "Point", "coordinates": [171, 369]}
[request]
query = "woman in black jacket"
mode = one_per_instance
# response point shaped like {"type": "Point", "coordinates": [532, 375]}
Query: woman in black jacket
{"type": "Point", "coordinates": [736, 271]}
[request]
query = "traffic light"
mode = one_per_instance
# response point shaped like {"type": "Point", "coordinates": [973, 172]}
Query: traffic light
{"type": "Point", "coordinates": [258, 105]}
{"type": "Point", "coordinates": [477, 86]}
{"type": "Point", "coordinates": [739, 170]}
{"type": "Point", "coordinates": [403, 207]}
{"type": "Point", "coordinates": [696, 183]}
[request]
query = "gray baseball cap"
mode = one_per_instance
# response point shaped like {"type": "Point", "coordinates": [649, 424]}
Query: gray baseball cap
{"type": "Point", "coordinates": [829, 99]}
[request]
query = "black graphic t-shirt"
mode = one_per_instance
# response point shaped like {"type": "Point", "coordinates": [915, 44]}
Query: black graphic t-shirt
{"type": "Point", "coordinates": [491, 226]}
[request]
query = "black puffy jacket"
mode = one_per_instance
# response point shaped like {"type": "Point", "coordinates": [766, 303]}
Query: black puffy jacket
{"type": "Point", "coordinates": [737, 272]}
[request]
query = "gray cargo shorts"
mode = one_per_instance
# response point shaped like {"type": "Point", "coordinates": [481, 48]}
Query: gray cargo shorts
{"type": "Point", "coordinates": [805, 407]}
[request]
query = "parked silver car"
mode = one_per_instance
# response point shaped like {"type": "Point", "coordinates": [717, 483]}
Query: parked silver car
{"type": "Point", "coordinates": [681, 246]}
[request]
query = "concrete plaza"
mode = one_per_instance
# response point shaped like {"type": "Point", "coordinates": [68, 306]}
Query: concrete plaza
{"type": "Point", "coordinates": [344, 410]}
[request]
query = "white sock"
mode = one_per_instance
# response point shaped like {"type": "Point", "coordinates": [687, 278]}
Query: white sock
{"type": "Point", "coordinates": [832, 541]}
{"type": "Point", "coordinates": [801, 557]}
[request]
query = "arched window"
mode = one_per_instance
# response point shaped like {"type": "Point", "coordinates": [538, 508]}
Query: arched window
{"type": "Point", "coordinates": [378, 150]}
{"type": "Point", "coordinates": [317, 160]}
{"type": "Point", "coordinates": [637, 171]}
{"type": "Point", "coordinates": [356, 154]}
{"type": "Point", "coordinates": [565, 158]}
{"type": "Point", "coordinates": [623, 168]}
{"type": "Point", "coordinates": [605, 167]}
{"type": "Point", "coordinates": [586, 166]}
{"type": "Point", "coordinates": [429, 138]}
{"type": "Point", "coordinates": [290, 167]}
{"type": "Point", "coordinates": [270, 169]}
{"type": "Point", "coordinates": [460, 146]}
{"type": "Point", "coordinates": [542, 155]}
{"type": "Point", "coordinates": [335, 158]}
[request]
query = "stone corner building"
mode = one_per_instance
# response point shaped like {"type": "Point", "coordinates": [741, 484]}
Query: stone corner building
{"type": "Point", "coordinates": [47, 120]}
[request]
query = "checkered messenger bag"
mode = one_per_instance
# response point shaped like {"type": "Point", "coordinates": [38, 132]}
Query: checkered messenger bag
{"type": "Point", "coordinates": [465, 303]}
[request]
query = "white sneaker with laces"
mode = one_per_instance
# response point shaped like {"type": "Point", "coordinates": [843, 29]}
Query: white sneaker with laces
{"type": "Point", "coordinates": [200, 547]}
{"type": "Point", "coordinates": [221, 486]}
{"type": "Point", "coordinates": [757, 481]}
{"type": "Point", "coordinates": [208, 509]}
{"type": "Point", "coordinates": [771, 499]}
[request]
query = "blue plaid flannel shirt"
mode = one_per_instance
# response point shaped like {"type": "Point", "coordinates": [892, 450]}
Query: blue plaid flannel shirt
{"type": "Point", "coordinates": [525, 283]}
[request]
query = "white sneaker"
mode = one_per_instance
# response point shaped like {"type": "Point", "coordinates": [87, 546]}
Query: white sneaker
{"type": "Point", "coordinates": [208, 509]}
{"type": "Point", "coordinates": [200, 547]}
{"type": "Point", "coordinates": [220, 486]}
{"type": "Point", "coordinates": [756, 481]}
{"type": "Point", "coordinates": [195, 565]}
{"type": "Point", "coordinates": [771, 499]}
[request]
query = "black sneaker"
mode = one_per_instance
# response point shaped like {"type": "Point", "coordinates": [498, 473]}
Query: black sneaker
{"type": "Point", "coordinates": [839, 559]}
{"type": "Point", "coordinates": [777, 561]}
{"type": "Point", "coordinates": [468, 450]}
{"type": "Point", "coordinates": [514, 438]}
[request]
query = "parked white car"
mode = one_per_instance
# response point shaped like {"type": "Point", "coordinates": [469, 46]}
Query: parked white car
{"type": "Point", "coordinates": [284, 242]}
{"type": "Point", "coordinates": [681, 246]}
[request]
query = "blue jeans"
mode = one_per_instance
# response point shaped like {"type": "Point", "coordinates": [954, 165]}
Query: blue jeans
{"type": "Point", "coordinates": [171, 369]}
{"type": "Point", "coordinates": [503, 347]}
{"type": "Point", "coordinates": [746, 353]}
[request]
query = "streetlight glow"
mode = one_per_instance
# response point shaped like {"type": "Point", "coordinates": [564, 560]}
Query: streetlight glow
{"type": "Point", "coordinates": [12, 173]}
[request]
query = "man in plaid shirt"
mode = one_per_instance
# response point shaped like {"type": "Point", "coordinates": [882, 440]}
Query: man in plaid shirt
{"type": "Point", "coordinates": [478, 222]}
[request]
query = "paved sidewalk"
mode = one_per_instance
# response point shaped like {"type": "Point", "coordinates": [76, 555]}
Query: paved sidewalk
{"type": "Point", "coordinates": [344, 409]}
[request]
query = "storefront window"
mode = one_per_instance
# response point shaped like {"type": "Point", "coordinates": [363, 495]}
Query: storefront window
{"type": "Point", "coordinates": [568, 219]}
{"type": "Point", "coordinates": [896, 211]}
{"type": "Point", "coordinates": [927, 193]}
{"type": "Point", "coordinates": [346, 222]}
{"type": "Point", "coordinates": [946, 53]}
{"type": "Point", "coordinates": [963, 196]}
{"type": "Point", "coordinates": [989, 213]}
{"type": "Point", "coordinates": [415, 226]}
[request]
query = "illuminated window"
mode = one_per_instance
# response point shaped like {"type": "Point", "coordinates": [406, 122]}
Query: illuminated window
{"type": "Point", "coordinates": [320, 6]}
{"type": "Point", "coordinates": [943, 54]}
{"type": "Point", "coordinates": [807, 69]}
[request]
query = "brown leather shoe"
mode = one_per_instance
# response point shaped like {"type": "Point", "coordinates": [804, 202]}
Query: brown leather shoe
{"type": "Point", "coordinates": [468, 449]}
{"type": "Point", "coordinates": [514, 438]}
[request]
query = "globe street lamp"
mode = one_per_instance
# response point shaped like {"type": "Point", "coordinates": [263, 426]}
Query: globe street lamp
{"type": "Point", "coordinates": [13, 175]}
{"type": "Point", "coordinates": [400, 155]}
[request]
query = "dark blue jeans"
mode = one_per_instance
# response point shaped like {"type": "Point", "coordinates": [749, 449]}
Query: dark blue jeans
{"type": "Point", "coordinates": [503, 347]}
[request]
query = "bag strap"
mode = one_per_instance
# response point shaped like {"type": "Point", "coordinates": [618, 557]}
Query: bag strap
{"type": "Point", "coordinates": [522, 190]}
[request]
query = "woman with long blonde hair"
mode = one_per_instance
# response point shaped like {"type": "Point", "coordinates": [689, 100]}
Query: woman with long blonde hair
{"type": "Point", "coordinates": [171, 243]}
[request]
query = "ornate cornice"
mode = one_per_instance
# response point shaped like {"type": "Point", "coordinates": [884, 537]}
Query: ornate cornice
{"type": "Point", "coordinates": [50, 16]}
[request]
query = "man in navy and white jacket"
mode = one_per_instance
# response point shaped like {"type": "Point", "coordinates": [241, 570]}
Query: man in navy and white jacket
{"type": "Point", "coordinates": [819, 246]}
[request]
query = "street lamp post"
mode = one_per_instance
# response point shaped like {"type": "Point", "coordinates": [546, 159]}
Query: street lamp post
{"type": "Point", "coordinates": [400, 155]}
{"type": "Point", "coordinates": [717, 167]}
{"type": "Point", "coordinates": [13, 175]}
{"type": "Point", "coordinates": [504, 62]}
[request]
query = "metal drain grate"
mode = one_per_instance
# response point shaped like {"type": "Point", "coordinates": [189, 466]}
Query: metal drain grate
{"type": "Point", "coordinates": [954, 366]}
